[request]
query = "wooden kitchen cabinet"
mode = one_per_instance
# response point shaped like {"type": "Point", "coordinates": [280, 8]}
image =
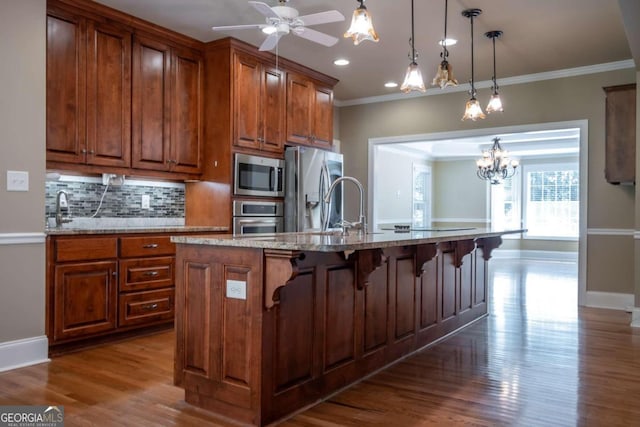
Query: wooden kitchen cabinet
{"type": "Point", "coordinates": [105, 286]}
{"type": "Point", "coordinates": [309, 112]}
{"type": "Point", "coordinates": [259, 104]}
{"type": "Point", "coordinates": [620, 142]}
{"type": "Point", "coordinates": [167, 107]}
{"type": "Point", "coordinates": [84, 288]}
{"type": "Point", "coordinates": [88, 91]}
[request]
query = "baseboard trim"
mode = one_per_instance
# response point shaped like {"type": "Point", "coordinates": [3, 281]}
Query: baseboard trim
{"type": "Point", "coordinates": [21, 238]}
{"type": "Point", "coordinates": [24, 352]}
{"type": "Point", "coordinates": [560, 256]}
{"type": "Point", "coordinates": [612, 300]}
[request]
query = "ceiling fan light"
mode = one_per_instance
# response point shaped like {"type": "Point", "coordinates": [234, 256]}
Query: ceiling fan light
{"type": "Point", "coordinates": [473, 111]}
{"type": "Point", "coordinates": [361, 26]}
{"type": "Point", "coordinates": [413, 80]}
{"type": "Point", "coordinates": [495, 104]}
{"type": "Point", "coordinates": [269, 29]}
{"type": "Point", "coordinates": [444, 76]}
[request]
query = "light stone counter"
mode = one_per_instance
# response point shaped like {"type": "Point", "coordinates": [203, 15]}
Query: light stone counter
{"type": "Point", "coordinates": [81, 226]}
{"type": "Point", "coordinates": [335, 242]}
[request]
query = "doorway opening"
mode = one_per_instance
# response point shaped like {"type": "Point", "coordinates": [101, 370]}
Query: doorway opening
{"type": "Point", "coordinates": [551, 181]}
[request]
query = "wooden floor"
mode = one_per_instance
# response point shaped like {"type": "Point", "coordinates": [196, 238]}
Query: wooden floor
{"type": "Point", "coordinates": [537, 360]}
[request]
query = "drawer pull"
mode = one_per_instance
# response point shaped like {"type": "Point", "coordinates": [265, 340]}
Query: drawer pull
{"type": "Point", "coordinates": [150, 306]}
{"type": "Point", "coordinates": [151, 246]}
{"type": "Point", "coordinates": [151, 273]}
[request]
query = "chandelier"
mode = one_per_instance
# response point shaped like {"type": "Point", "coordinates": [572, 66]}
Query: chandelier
{"type": "Point", "coordinates": [494, 165]}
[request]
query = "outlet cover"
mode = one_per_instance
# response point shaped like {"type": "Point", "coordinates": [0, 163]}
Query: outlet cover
{"type": "Point", "coordinates": [236, 289]}
{"type": "Point", "coordinates": [17, 181]}
{"type": "Point", "coordinates": [146, 201]}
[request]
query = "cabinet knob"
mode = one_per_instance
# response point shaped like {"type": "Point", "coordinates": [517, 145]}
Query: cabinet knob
{"type": "Point", "coordinates": [83, 151]}
{"type": "Point", "coordinates": [150, 246]}
{"type": "Point", "coordinates": [114, 273]}
{"type": "Point", "coordinates": [92, 152]}
{"type": "Point", "coordinates": [150, 306]}
{"type": "Point", "coordinates": [151, 273]}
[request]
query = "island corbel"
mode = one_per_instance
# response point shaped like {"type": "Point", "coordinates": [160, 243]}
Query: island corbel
{"type": "Point", "coordinates": [280, 267]}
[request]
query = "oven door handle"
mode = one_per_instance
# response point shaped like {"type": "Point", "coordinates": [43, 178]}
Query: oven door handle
{"type": "Point", "coordinates": [257, 221]}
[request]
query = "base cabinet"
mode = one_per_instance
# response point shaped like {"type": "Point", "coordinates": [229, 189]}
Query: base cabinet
{"type": "Point", "coordinates": [106, 286]}
{"type": "Point", "coordinates": [263, 333]}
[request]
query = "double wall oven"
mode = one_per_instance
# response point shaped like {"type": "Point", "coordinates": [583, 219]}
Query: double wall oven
{"type": "Point", "coordinates": [258, 188]}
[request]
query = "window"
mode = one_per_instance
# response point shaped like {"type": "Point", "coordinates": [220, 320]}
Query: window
{"type": "Point", "coordinates": [421, 209]}
{"type": "Point", "coordinates": [543, 197]}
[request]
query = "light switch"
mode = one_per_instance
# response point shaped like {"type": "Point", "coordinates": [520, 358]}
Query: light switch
{"type": "Point", "coordinates": [146, 201]}
{"type": "Point", "coordinates": [236, 289]}
{"type": "Point", "coordinates": [17, 181]}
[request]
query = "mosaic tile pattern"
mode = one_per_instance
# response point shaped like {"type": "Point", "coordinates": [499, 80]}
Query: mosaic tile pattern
{"type": "Point", "coordinates": [119, 202]}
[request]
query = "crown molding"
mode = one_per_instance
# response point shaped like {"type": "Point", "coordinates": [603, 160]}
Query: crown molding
{"type": "Point", "coordinates": [527, 78]}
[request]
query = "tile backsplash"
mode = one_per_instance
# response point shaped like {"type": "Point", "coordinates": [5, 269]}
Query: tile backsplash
{"type": "Point", "coordinates": [119, 201]}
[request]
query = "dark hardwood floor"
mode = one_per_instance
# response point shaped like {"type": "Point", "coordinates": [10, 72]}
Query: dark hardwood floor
{"type": "Point", "coordinates": [537, 360]}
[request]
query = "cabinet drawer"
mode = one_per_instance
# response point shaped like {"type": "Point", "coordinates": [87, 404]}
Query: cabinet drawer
{"type": "Point", "coordinates": [85, 249]}
{"type": "Point", "coordinates": [146, 273]}
{"type": "Point", "coordinates": [136, 247]}
{"type": "Point", "coordinates": [146, 307]}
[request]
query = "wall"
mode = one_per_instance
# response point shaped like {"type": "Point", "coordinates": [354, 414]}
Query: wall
{"type": "Point", "coordinates": [394, 183]}
{"type": "Point", "coordinates": [22, 137]}
{"type": "Point", "coordinates": [458, 193]}
{"type": "Point", "coordinates": [566, 99]}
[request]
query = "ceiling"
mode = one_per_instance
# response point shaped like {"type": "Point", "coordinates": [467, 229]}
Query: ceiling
{"type": "Point", "coordinates": [539, 36]}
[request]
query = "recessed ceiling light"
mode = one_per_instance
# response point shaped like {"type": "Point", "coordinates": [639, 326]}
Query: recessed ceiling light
{"type": "Point", "coordinates": [391, 84]}
{"type": "Point", "coordinates": [341, 62]}
{"type": "Point", "coordinates": [447, 42]}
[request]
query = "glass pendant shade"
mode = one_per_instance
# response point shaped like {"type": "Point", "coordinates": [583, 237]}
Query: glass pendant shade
{"type": "Point", "coordinates": [361, 26]}
{"type": "Point", "coordinates": [495, 104]}
{"type": "Point", "coordinates": [413, 80]}
{"type": "Point", "coordinates": [444, 76]}
{"type": "Point", "coordinates": [473, 111]}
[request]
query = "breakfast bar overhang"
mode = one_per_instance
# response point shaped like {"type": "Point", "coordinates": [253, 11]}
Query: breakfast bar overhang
{"type": "Point", "coordinates": [266, 325]}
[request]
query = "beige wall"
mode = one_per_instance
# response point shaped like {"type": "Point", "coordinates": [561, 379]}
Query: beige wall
{"type": "Point", "coordinates": [566, 99]}
{"type": "Point", "coordinates": [457, 191]}
{"type": "Point", "coordinates": [22, 138]}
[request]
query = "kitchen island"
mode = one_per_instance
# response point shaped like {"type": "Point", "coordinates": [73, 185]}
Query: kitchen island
{"type": "Point", "coordinates": [269, 324]}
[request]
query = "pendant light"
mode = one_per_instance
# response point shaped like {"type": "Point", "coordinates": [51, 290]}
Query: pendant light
{"type": "Point", "coordinates": [413, 79]}
{"type": "Point", "coordinates": [495, 103]}
{"type": "Point", "coordinates": [361, 26]}
{"type": "Point", "coordinates": [472, 110]}
{"type": "Point", "coordinates": [444, 76]}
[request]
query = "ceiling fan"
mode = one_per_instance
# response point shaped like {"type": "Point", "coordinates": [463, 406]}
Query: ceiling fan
{"type": "Point", "coordinates": [281, 20]}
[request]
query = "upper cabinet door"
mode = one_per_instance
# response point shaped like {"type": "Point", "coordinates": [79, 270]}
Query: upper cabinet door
{"type": "Point", "coordinates": [273, 107]}
{"type": "Point", "coordinates": [322, 134]}
{"type": "Point", "coordinates": [66, 62]}
{"type": "Point", "coordinates": [151, 105]}
{"type": "Point", "coordinates": [299, 99]}
{"type": "Point", "coordinates": [246, 99]}
{"type": "Point", "coordinates": [186, 111]}
{"type": "Point", "coordinates": [108, 95]}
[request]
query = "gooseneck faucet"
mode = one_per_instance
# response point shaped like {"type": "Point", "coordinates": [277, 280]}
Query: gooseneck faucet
{"type": "Point", "coordinates": [361, 224]}
{"type": "Point", "coordinates": [62, 208]}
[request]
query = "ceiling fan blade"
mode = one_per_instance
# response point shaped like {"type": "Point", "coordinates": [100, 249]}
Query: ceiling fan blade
{"type": "Point", "coordinates": [237, 27]}
{"type": "Point", "coordinates": [271, 41]}
{"type": "Point", "coordinates": [322, 17]}
{"type": "Point", "coordinates": [315, 36]}
{"type": "Point", "coordinates": [264, 9]}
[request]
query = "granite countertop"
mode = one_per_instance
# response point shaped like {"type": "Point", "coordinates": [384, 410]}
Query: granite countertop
{"type": "Point", "coordinates": [335, 242]}
{"type": "Point", "coordinates": [66, 230]}
{"type": "Point", "coordinates": [80, 226]}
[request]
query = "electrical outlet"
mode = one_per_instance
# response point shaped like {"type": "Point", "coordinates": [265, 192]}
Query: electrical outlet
{"type": "Point", "coordinates": [146, 201]}
{"type": "Point", "coordinates": [236, 289]}
{"type": "Point", "coordinates": [17, 181]}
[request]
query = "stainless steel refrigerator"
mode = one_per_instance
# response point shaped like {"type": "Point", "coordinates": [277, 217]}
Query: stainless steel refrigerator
{"type": "Point", "coordinates": [308, 174]}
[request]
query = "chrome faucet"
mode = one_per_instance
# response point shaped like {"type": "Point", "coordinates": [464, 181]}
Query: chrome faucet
{"type": "Point", "coordinates": [62, 208]}
{"type": "Point", "coordinates": [361, 224]}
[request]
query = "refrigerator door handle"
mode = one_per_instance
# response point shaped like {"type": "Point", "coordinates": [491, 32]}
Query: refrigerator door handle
{"type": "Point", "coordinates": [325, 182]}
